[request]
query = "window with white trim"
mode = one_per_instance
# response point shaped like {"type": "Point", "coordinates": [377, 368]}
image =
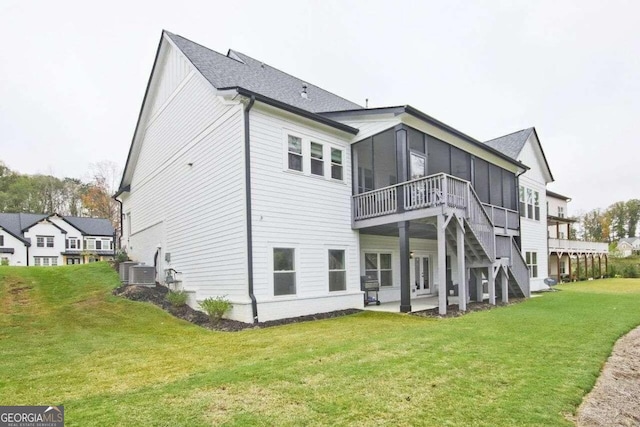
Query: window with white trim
{"type": "Point", "coordinates": [560, 211]}
{"type": "Point", "coordinates": [336, 163]}
{"type": "Point", "coordinates": [529, 203]}
{"type": "Point", "coordinates": [312, 157]}
{"type": "Point", "coordinates": [73, 243]}
{"type": "Point", "coordinates": [317, 162]}
{"type": "Point", "coordinates": [294, 153]}
{"type": "Point", "coordinates": [90, 244]}
{"type": "Point", "coordinates": [378, 266]}
{"type": "Point", "coordinates": [45, 261]}
{"type": "Point", "coordinates": [532, 263]}
{"type": "Point", "coordinates": [337, 270]}
{"type": "Point", "coordinates": [284, 271]}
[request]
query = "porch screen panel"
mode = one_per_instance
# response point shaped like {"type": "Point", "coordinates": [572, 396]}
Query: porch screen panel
{"type": "Point", "coordinates": [438, 156]}
{"type": "Point", "coordinates": [495, 185]}
{"type": "Point", "coordinates": [460, 164]}
{"type": "Point", "coordinates": [363, 166]}
{"type": "Point", "coordinates": [384, 160]}
{"type": "Point", "coordinates": [509, 190]}
{"type": "Point", "coordinates": [416, 140]}
{"type": "Point", "coordinates": [481, 179]}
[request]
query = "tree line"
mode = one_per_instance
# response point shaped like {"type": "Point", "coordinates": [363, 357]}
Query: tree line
{"type": "Point", "coordinates": [46, 194]}
{"type": "Point", "coordinates": [612, 224]}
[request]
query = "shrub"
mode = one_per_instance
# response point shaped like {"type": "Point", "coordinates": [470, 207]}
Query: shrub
{"type": "Point", "coordinates": [176, 298]}
{"type": "Point", "coordinates": [216, 307]}
{"type": "Point", "coordinates": [122, 256]}
{"type": "Point", "coordinates": [630, 271]}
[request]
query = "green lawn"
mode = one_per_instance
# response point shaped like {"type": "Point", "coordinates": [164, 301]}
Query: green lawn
{"type": "Point", "coordinates": [65, 340]}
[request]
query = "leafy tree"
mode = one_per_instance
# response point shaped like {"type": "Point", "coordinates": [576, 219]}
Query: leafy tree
{"type": "Point", "coordinates": [633, 216]}
{"type": "Point", "coordinates": [618, 214]}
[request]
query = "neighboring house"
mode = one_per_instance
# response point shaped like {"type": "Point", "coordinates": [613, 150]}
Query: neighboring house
{"type": "Point", "coordinates": [562, 250]}
{"type": "Point", "coordinates": [246, 182]}
{"type": "Point", "coordinates": [49, 240]}
{"type": "Point", "coordinates": [628, 246]}
{"type": "Point", "coordinates": [525, 146]}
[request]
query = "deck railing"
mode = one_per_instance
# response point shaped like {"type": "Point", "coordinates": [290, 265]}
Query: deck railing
{"type": "Point", "coordinates": [427, 192]}
{"type": "Point", "coordinates": [519, 269]}
{"type": "Point", "coordinates": [503, 217]}
{"type": "Point", "coordinates": [561, 245]}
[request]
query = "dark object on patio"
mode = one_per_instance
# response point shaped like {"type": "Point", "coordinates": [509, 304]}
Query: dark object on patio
{"type": "Point", "coordinates": [550, 281]}
{"type": "Point", "coordinates": [370, 285]}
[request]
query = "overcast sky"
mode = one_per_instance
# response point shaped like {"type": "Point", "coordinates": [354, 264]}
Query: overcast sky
{"type": "Point", "coordinates": [73, 74]}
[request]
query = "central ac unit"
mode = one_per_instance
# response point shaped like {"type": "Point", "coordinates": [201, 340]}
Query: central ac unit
{"type": "Point", "coordinates": [124, 271]}
{"type": "Point", "coordinates": [143, 275]}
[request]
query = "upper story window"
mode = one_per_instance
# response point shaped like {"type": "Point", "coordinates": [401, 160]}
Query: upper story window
{"type": "Point", "coordinates": [561, 211]}
{"type": "Point", "coordinates": [44, 241]}
{"type": "Point", "coordinates": [317, 163]}
{"type": "Point", "coordinates": [73, 243]}
{"type": "Point", "coordinates": [529, 203]}
{"type": "Point", "coordinates": [336, 163]}
{"type": "Point", "coordinates": [90, 244]}
{"type": "Point", "coordinates": [314, 158]}
{"type": "Point", "coordinates": [295, 153]}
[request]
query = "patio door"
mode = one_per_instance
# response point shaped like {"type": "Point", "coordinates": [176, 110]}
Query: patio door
{"type": "Point", "coordinates": [421, 275]}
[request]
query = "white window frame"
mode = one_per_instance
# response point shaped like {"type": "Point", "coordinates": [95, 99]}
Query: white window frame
{"type": "Point", "coordinates": [328, 164]}
{"type": "Point", "coordinates": [561, 212]}
{"type": "Point", "coordinates": [378, 269]}
{"type": "Point", "coordinates": [294, 271]}
{"type": "Point", "coordinates": [319, 160]}
{"type": "Point", "coordinates": [343, 270]}
{"type": "Point", "coordinates": [531, 258]}
{"type": "Point", "coordinates": [90, 244]}
{"type": "Point", "coordinates": [40, 241]}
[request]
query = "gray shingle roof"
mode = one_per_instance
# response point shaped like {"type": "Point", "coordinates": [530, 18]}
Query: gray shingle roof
{"type": "Point", "coordinates": [91, 226]}
{"type": "Point", "coordinates": [629, 240]}
{"type": "Point", "coordinates": [239, 70]}
{"type": "Point", "coordinates": [511, 144]}
{"type": "Point", "coordinates": [16, 223]}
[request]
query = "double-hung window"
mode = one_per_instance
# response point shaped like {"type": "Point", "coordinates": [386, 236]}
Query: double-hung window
{"type": "Point", "coordinates": [72, 243]}
{"type": "Point", "coordinates": [336, 163]}
{"type": "Point", "coordinates": [532, 263]}
{"type": "Point", "coordinates": [90, 244]}
{"type": "Point", "coordinates": [337, 270]}
{"type": "Point", "coordinates": [40, 241]}
{"type": "Point", "coordinates": [560, 211]}
{"type": "Point", "coordinates": [317, 162]}
{"type": "Point", "coordinates": [378, 266]}
{"type": "Point", "coordinates": [295, 153]}
{"type": "Point", "coordinates": [529, 203]}
{"type": "Point", "coordinates": [284, 271]}
{"type": "Point", "coordinates": [312, 157]}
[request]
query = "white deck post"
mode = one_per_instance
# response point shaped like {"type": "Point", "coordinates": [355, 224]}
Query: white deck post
{"type": "Point", "coordinates": [442, 267]}
{"type": "Point", "coordinates": [491, 277]}
{"type": "Point", "coordinates": [462, 269]}
{"type": "Point", "coordinates": [505, 285]}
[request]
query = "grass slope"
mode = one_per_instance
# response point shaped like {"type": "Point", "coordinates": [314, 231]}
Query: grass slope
{"type": "Point", "coordinates": [65, 340]}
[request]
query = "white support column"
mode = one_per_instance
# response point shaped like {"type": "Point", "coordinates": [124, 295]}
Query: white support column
{"type": "Point", "coordinates": [491, 277]}
{"type": "Point", "coordinates": [442, 266]}
{"type": "Point", "coordinates": [462, 269]}
{"type": "Point", "coordinates": [505, 285]}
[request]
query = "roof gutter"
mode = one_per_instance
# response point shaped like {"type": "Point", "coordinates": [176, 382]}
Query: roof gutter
{"type": "Point", "coordinates": [290, 108]}
{"type": "Point", "coordinates": [247, 197]}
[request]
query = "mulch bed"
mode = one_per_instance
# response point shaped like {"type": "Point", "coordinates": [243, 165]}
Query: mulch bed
{"type": "Point", "coordinates": [156, 295]}
{"type": "Point", "coordinates": [453, 311]}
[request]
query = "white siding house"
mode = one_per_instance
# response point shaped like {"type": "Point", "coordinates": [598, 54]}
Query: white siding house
{"type": "Point", "coordinates": [241, 182]}
{"type": "Point", "coordinates": [51, 240]}
{"type": "Point", "coordinates": [525, 146]}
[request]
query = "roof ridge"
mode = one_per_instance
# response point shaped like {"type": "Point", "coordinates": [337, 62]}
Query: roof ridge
{"type": "Point", "coordinates": [296, 77]}
{"type": "Point", "coordinates": [509, 134]}
{"type": "Point", "coordinates": [203, 46]}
